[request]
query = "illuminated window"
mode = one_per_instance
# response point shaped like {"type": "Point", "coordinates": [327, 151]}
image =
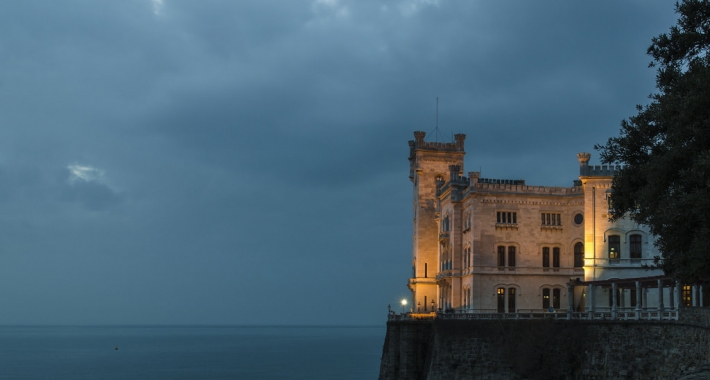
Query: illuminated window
{"type": "Point", "coordinates": [511, 256]}
{"type": "Point", "coordinates": [614, 246]}
{"type": "Point", "coordinates": [501, 300]}
{"type": "Point", "coordinates": [687, 296]}
{"type": "Point", "coordinates": [578, 255]}
{"type": "Point", "coordinates": [635, 246]}
{"type": "Point", "coordinates": [551, 219]}
{"type": "Point", "coordinates": [501, 256]}
{"type": "Point", "coordinates": [546, 257]}
{"type": "Point", "coordinates": [556, 257]}
{"type": "Point", "coordinates": [546, 298]}
{"type": "Point", "coordinates": [506, 217]}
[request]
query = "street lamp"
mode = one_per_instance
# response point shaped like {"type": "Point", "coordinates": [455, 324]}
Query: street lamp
{"type": "Point", "coordinates": [404, 303]}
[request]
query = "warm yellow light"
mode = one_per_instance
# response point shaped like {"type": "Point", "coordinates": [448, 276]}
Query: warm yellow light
{"type": "Point", "coordinates": [404, 302]}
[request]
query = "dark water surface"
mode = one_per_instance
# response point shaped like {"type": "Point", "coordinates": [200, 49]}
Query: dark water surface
{"type": "Point", "coordinates": [190, 352]}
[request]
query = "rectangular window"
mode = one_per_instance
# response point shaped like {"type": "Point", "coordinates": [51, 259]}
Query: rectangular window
{"type": "Point", "coordinates": [425, 270]}
{"type": "Point", "coordinates": [511, 256]}
{"type": "Point", "coordinates": [555, 299]}
{"type": "Point", "coordinates": [635, 247]}
{"type": "Point", "coordinates": [511, 300]}
{"type": "Point", "coordinates": [687, 296]}
{"type": "Point", "coordinates": [551, 219]}
{"type": "Point", "coordinates": [633, 296]}
{"type": "Point", "coordinates": [501, 300]}
{"type": "Point", "coordinates": [614, 246]}
{"type": "Point", "coordinates": [545, 299]}
{"type": "Point", "coordinates": [501, 256]}
{"type": "Point", "coordinates": [579, 255]}
{"type": "Point", "coordinates": [556, 257]}
{"type": "Point", "coordinates": [545, 257]}
{"type": "Point", "coordinates": [506, 217]}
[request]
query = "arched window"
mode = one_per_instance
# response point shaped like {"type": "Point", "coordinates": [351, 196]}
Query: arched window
{"type": "Point", "coordinates": [511, 256]}
{"type": "Point", "coordinates": [546, 298]}
{"type": "Point", "coordinates": [511, 300]}
{"type": "Point", "coordinates": [501, 300]}
{"type": "Point", "coordinates": [546, 257]}
{"type": "Point", "coordinates": [635, 247]}
{"type": "Point", "coordinates": [501, 256]}
{"type": "Point", "coordinates": [614, 246]}
{"type": "Point", "coordinates": [556, 257]}
{"type": "Point", "coordinates": [579, 255]}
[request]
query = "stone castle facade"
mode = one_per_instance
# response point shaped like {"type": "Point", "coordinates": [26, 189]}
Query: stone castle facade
{"type": "Point", "coordinates": [494, 245]}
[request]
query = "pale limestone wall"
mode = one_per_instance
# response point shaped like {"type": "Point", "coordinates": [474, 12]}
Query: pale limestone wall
{"type": "Point", "coordinates": [426, 164]}
{"type": "Point", "coordinates": [597, 227]}
{"type": "Point", "coordinates": [529, 237]}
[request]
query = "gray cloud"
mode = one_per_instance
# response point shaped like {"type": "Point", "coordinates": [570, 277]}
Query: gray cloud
{"type": "Point", "coordinates": [254, 154]}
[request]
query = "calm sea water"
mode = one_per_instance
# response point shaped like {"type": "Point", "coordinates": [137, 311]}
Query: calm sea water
{"type": "Point", "coordinates": [190, 352]}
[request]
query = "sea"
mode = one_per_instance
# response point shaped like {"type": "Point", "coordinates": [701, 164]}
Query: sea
{"type": "Point", "coordinates": [190, 352]}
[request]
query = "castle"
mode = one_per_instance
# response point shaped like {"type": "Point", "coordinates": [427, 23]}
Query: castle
{"type": "Point", "coordinates": [484, 245]}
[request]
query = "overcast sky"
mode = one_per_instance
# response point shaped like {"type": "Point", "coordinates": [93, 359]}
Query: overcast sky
{"type": "Point", "coordinates": [245, 162]}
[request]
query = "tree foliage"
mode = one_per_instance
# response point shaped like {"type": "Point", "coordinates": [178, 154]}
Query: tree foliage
{"type": "Point", "coordinates": [665, 149]}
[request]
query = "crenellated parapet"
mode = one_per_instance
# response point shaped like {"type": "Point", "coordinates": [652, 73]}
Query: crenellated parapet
{"type": "Point", "coordinates": [419, 144]}
{"type": "Point", "coordinates": [509, 187]}
{"type": "Point", "coordinates": [586, 170]}
{"type": "Point", "coordinates": [599, 170]}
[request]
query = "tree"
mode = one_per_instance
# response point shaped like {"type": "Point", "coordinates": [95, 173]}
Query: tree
{"type": "Point", "coordinates": [665, 149]}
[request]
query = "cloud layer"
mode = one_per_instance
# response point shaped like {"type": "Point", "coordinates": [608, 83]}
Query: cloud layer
{"type": "Point", "coordinates": [174, 161]}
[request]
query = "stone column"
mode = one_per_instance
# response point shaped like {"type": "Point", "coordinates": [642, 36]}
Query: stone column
{"type": "Point", "coordinates": [645, 299]}
{"type": "Point", "coordinates": [660, 296]}
{"type": "Point", "coordinates": [591, 302]}
{"type": "Point", "coordinates": [570, 292]}
{"type": "Point", "coordinates": [679, 290]}
{"type": "Point", "coordinates": [700, 296]}
{"type": "Point", "coordinates": [695, 295]}
{"type": "Point", "coordinates": [638, 299]}
{"type": "Point", "coordinates": [671, 298]}
{"type": "Point", "coordinates": [614, 300]}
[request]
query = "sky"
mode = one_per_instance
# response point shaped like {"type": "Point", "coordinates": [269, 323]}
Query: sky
{"type": "Point", "coordinates": [246, 162]}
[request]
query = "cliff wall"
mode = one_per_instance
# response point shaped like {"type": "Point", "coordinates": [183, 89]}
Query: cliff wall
{"type": "Point", "coordinates": [546, 349]}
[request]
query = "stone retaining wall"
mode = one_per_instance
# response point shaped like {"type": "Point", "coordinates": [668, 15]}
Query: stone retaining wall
{"type": "Point", "coordinates": [548, 349]}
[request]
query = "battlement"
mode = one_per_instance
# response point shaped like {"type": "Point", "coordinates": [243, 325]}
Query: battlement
{"type": "Point", "coordinates": [502, 181]}
{"type": "Point", "coordinates": [525, 189]}
{"type": "Point", "coordinates": [586, 170]}
{"type": "Point", "coordinates": [419, 144]}
{"type": "Point", "coordinates": [598, 170]}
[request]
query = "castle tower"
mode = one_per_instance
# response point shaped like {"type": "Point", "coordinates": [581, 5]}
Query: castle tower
{"type": "Point", "coordinates": [428, 169]}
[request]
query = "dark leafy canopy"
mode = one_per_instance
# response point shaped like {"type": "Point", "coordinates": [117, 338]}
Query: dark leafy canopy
{"type": "Point", "coordinates": [665, 149]}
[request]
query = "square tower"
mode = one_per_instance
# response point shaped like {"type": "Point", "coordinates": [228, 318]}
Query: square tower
{"type": "Point", "coordinates": [428, 169]}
